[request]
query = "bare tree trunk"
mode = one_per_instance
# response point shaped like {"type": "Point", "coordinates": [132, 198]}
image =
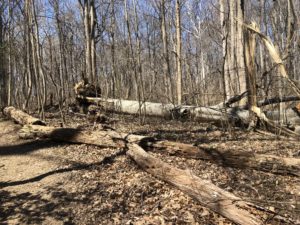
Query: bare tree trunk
{"type": "Point", "coordinates": [224, 29]}
{"type": "Point", "coordinates": [250, 47]}
{"type": "Point", "coordinates": [133, 62]}
{"type": "Point", "coordinates": [36, 80]}
{"type": "Point", "coordinates": [178, 52]}
{"type": "Point", "coordinates": [57, 89]}
{"type": "Point", "coordinates": [9, 39]}
{"type": "Point", "coordinates": [239, 48]}
{"type": "Point", "coordinates": [93, 42]}
{"type": "Point", "coordinates": [3, 75]}
{"type": "Point", "coordinates": [89, 14]}
{"type": "Point", "coordinates": [88, 66]}
{"type": "Point", "coordinates": [230, 78]}
{"type": "Point", "coordinates": [61, 89]}
{"type": "Point", "coordinates": [39, 63]}
{"type": "Point", "coordinates": [112, 49]}
{"type": "Point", "coordinates": [138, 53]}
{"type": "Point", "coordinates": [166, 63]}
{"type": "Point", "coordinates": [28, 55]}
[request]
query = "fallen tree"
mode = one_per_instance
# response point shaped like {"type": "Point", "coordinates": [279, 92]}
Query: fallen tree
{"type": "Point", "coordinates": [267, 163]}
{"type": "Point", "coordinates": [233, 115]}
{"type": "Point", "coordinates": [203, 114]}
{"type": "Point", "coordinates": [21, 117]}
{"type": "Point", "coordinates": [209, 195]}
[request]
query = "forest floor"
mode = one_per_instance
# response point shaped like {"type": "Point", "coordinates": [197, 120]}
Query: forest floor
{"type": "Point", "coordinates": [46, 182]}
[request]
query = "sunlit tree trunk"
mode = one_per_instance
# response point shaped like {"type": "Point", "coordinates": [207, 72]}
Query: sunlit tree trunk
{"type": "Point", "coordinates": [89, 14]}
{"type": "Point", "coordinates": [28, 56]}
{"type": "Point", "coordinates": [239, 48]}
{"type": "Point", "coordinates": [178, 52]}
{"type": "Point", "coordinates": [38, 62]}
{"type": "Point", "coordinates": [9, 39]}
{"type": "Point", "coordinates": [166, 62]}
{"type": "Point", "coordinates": [3, 100]}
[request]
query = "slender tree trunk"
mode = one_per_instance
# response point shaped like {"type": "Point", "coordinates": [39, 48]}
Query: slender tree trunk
{"type": "Point", "coordinates": [178, 52]}
{"type": "Point", "coordinates": [138, 54]}
{"type": "Point", "coordinates": [28, 56]}
{"type": "Point", "coordinates": [242, 82]}
{"type": "Point", "coordinates": [112, 49]}
{"type": "Point", "coordinates": [93, 41]}
{"type": "Point", "coordinates": [3, 78]}
{"type": "Point", "coordinates": [39, 63]}
{"type": "Point", "coordinates": [166, 63]}
{"type": "Point", "coordinates": [10, 32]}
{"type": "Point", "coordinates": [89, 13]}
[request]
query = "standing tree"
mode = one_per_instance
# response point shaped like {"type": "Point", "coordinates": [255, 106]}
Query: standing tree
{"type": "Point", "coordinates": [3, 72]}
{"type": "Point", "coordinates": [232, 44]}
{"type": "Point", "coordinates": [178, 52]}
{"type": "Point", "coordinates": [89, 15]}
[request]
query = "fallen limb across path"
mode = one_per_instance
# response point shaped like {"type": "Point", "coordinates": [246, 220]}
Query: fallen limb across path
{"type": "Point", "coordinates": [209, 195]}
{"type": "Point", "coordinates": [267, 163]}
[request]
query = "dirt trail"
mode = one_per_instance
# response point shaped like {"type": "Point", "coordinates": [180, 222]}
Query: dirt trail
{"type": "Point", "coordinates": [45, 182]}
{"type": "Point", "coordinates": [26, 178]}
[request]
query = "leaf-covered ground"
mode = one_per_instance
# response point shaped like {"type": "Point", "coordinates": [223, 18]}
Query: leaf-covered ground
{"type": "Point", "coordinates": [45, 182]}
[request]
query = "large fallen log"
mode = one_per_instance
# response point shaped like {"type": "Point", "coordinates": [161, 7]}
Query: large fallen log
{"type": "Point", "coordinates": [206, 193]}
{"type": "Point", "coordinates": [204, 114]}
{"type": "Point", "coordinates": [21, 117]}
{"type": "Point", "coordinates": [267, 163]}
{"type": "Point", "coordinates": [215, 114]}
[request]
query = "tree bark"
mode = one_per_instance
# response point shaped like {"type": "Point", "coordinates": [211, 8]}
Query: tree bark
{"type": "Point", "coordinates": [206, 193]}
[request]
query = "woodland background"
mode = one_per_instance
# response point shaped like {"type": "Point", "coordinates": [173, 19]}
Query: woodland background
{"type": "Point", "coordinates": [185, 52]}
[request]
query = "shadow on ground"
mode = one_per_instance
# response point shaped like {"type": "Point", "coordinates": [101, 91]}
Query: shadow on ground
{"type": "Point", "coordinates": [75, 167]}
{"type": "Point", "coordinates": [27, 208]}
{"type": "Point", "coordinates": [28, 147]}
{"type": "Point", "coordinates": [53, 204]}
